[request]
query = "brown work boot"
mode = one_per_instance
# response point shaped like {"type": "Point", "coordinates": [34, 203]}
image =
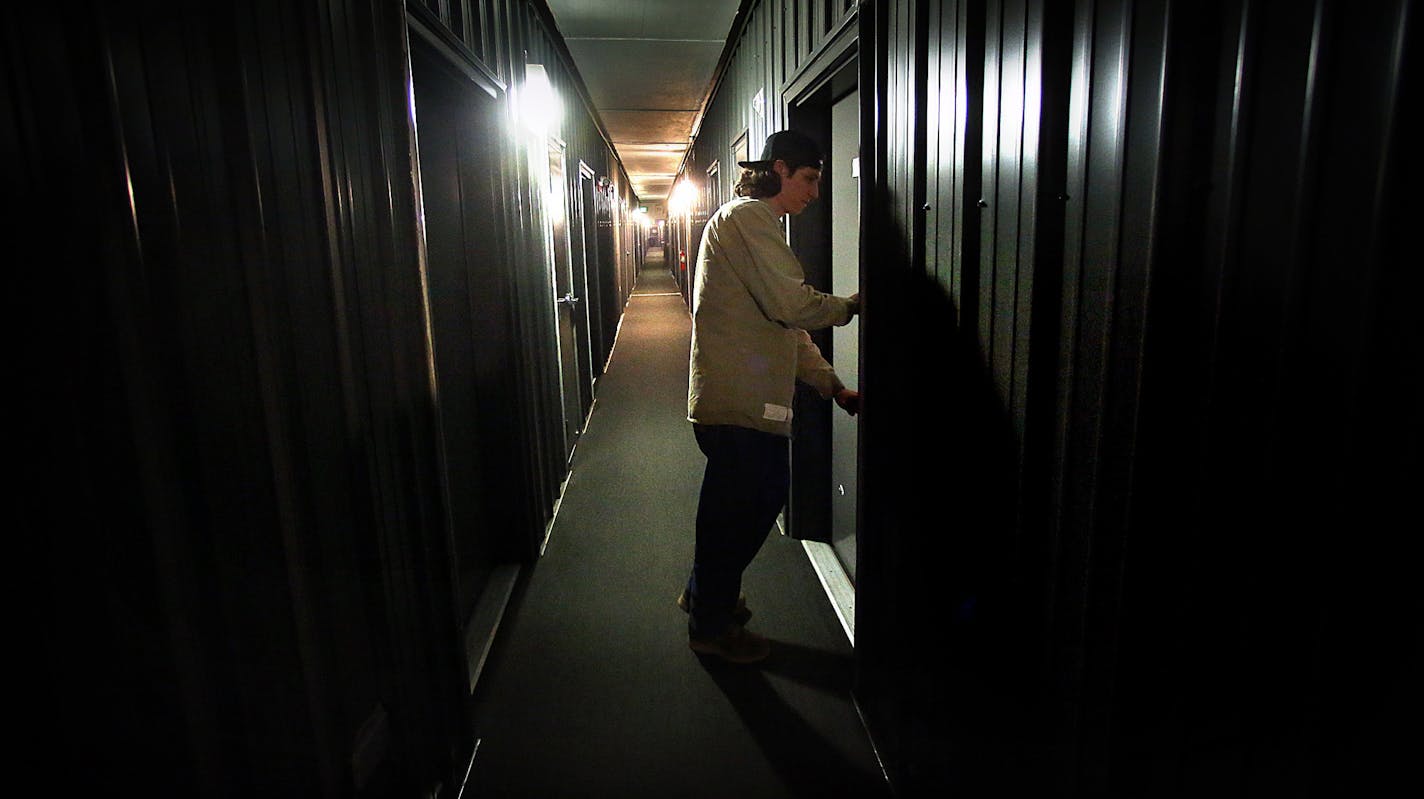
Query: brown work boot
{"type": "Point", "coordinates": [740, 614]}
{"type": "Point", "coordinates": [736, 645]}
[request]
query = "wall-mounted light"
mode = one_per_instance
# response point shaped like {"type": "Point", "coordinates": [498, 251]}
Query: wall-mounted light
{"type": "Point", "coordinates": [540, 106]}
{"type": "Point", "coordinates": [684, 196]}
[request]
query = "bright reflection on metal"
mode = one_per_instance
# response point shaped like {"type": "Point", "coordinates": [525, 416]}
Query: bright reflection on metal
{"type": "Point", "coordinates": [540, 106]}
{"type": "Point", "coordinates": [554, 202]}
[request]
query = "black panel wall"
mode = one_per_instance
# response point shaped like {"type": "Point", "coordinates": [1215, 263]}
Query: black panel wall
{"type": "Point", "coordinates": [1142, 401]}
{"type": "Point", "coordinates": [258, 391]}
{"type": "Point", "coordinates": [1252, 622]}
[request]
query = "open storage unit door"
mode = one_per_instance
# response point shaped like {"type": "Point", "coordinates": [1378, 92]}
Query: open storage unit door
{"type": "Point", "coordinates": [824, 103]}
{"type": "Point", "coordinates": [844, 193]}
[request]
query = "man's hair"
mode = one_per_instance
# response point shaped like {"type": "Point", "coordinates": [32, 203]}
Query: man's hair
{"type": "Point", "coordinates": [758, 183]}
{"type": "Point", "coordinates": [760, 180]}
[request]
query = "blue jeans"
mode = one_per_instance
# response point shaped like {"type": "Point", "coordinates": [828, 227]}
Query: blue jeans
{"type": "Point", "coordinates": [744, 488]}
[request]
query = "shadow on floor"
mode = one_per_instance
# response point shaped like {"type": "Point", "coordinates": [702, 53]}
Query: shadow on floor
{"type": "Point", "coordinates": [806, 761]}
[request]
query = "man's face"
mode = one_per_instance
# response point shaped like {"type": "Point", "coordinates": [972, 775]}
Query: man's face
{"type": "Point", "coordinates": [798, 188]}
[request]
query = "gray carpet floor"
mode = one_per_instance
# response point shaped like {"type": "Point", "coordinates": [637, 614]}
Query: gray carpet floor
{"type": "Point", "coordinates": [590, 689]}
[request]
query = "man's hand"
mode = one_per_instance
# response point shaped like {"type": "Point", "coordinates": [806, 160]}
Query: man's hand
{"type": "Point", "coordinates": [848, 400]}
{"type": "Point", "coordinates": [855, 304]}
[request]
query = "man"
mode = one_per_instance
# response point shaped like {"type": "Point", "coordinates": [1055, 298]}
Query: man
{"type": "Point", "coordinates": [751, 311]}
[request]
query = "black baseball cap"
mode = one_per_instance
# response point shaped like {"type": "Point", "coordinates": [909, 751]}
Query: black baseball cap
{"type": "Point", "coordinates": [790, 146]}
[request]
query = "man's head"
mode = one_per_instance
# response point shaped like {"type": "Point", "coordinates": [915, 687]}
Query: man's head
{"type": "Point", "coordinates": [788, 174]}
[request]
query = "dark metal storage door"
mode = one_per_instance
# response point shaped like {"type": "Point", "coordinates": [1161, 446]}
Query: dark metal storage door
{"type": "Point", "coordinates": [585, 263]}
{"type": "Point", "coordinates": [594, 268]}
{"type": "Point", "coordinates": [474, 352]}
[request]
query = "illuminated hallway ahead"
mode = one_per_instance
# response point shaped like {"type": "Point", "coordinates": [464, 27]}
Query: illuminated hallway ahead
{"type": "Point", "coordinates": [591, 690]}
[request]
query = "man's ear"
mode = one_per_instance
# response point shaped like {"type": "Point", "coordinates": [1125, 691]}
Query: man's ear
{"type": "Point", "coordinates": [779, 167]}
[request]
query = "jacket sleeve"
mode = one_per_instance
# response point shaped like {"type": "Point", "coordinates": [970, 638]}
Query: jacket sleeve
{"type": "Point", "coordinates": [773, 276]}
{"type": "Point", "coordinates": [813, 369]}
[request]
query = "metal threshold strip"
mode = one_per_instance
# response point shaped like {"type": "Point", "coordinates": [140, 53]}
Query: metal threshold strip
{"type": "Point", "coordinates": [836, 583]}
{"type": "Point", "coordinates": [834, 580]}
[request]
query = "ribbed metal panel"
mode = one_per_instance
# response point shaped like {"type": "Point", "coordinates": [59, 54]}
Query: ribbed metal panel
{"type": "Point", "coordinates": [1198, 319]}
{"type": "Point", "coordinates": [253, 410]}
{"type": "Point", "coordinates": [1133, 283]}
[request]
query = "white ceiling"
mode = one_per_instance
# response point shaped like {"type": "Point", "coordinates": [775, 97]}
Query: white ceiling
{"type": "Point", "coordinates": [648, 65]}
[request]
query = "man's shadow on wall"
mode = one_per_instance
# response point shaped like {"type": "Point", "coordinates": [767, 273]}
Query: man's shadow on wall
{"type": "Point", "coordinates": [943, 528]}
{"type": "Point", "coordinates": [954, 638]}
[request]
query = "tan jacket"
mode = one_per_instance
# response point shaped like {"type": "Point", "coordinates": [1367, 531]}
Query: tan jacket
{"type": "Point", "coordinates": [751, 309]}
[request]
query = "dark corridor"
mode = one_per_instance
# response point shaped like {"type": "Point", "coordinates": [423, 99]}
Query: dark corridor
{"type": "Point", "coordinates": [335, 361]}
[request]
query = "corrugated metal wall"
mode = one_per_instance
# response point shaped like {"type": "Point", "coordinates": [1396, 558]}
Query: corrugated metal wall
{"type": "Point", "coordinates": [1230, 296]}
{"type": "Point", "coordinates": [1142, 388]}
{"type": "Point", "coordinates": [239, 485]}
{"type": "Point", "coordinates": [776, 39]}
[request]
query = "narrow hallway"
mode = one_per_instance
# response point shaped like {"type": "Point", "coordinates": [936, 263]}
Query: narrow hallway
{"type": "Point", "coordinates": [590, 689]}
